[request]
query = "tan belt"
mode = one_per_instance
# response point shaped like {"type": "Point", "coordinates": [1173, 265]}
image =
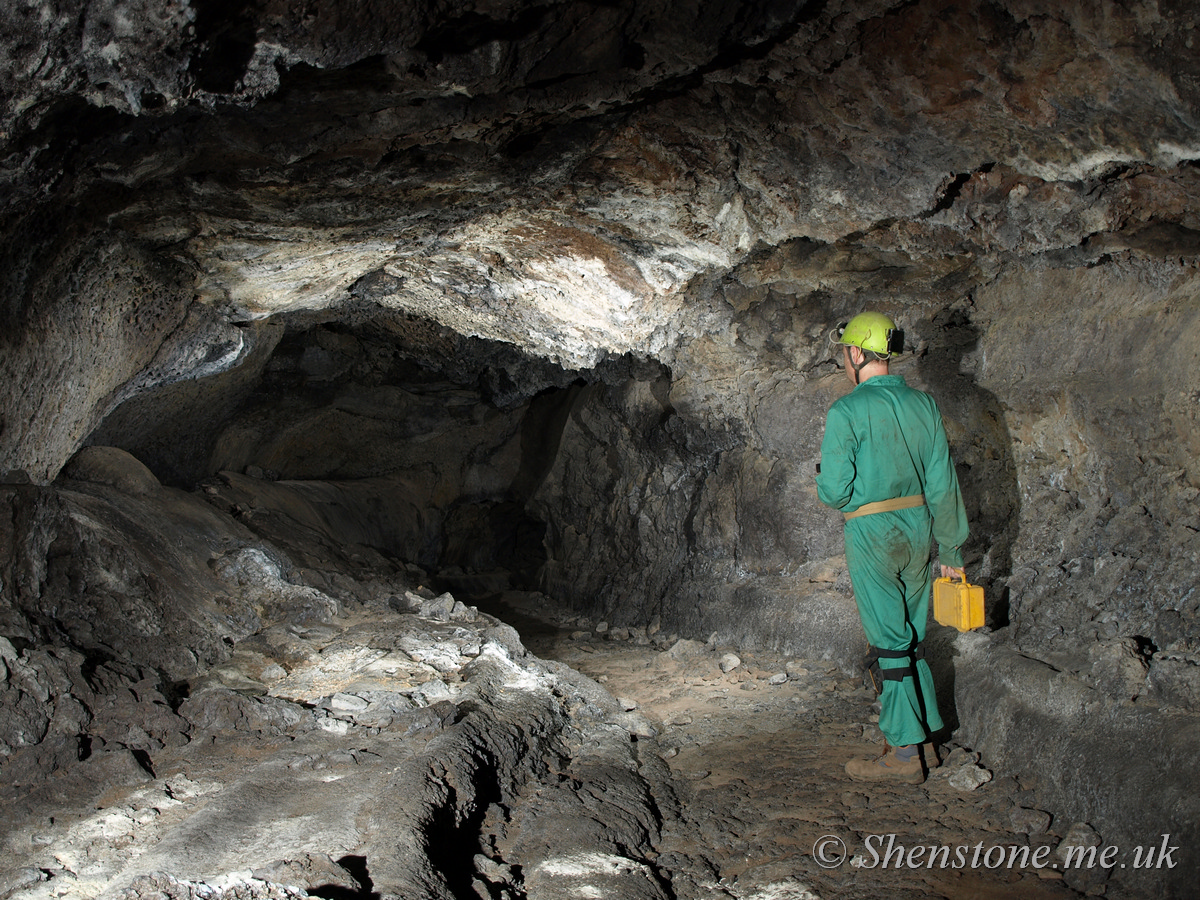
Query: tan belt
{"type": "Point", "coordinates": [886, 506]}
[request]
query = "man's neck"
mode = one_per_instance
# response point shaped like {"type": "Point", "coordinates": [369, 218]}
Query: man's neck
{"type": "Point", "coordinates": [873, 369]}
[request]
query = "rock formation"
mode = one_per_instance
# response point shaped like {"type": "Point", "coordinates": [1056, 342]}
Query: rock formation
{"type": "Point", "coordinates": [307, 306]}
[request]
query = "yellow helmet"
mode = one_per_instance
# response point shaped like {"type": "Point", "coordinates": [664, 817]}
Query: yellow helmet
{"type": "Point", "coordinates": [870, 331]}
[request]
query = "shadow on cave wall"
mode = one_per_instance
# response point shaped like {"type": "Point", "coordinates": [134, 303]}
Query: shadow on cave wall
{"type": "Point", "coordinates": [983, 454]}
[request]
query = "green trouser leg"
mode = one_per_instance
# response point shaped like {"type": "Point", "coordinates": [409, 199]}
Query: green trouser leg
{"type": "Point", "coordinates": [888, 558]}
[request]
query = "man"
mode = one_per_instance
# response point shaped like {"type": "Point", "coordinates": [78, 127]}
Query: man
{"type": "Point", "coordinates": [886, 465]}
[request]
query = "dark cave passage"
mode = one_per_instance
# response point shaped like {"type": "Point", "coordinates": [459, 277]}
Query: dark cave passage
{"type": "Point", "coordinates": [431, 459]}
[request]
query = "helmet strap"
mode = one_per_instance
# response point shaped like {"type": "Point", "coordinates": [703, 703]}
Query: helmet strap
{"type": "Point", "coordinates": [858, 367]}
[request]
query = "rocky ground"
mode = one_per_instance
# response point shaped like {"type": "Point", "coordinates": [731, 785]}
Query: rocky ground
{"type": "Point", "coordinates": [367, 755]}
{"type": "Point", "coordinates": [756, 755]}
{"type": "Point", "coordinates": [357, 731]}
{"type": "Point", "coordinates": [415, 748]}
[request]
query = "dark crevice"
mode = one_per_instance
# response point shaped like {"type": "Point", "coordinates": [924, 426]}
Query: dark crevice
{"type": "Point", "coordinates": [950, 194]}
{"type": "Point", "coordinates": [227, 35]}
{"type": "Point", "coordinates": [1146, 647]}
{"type": "Point", "coordinates": [1119, 172]}
{"type": "Point", "coordinates": [143, 759]}
{"type": "Point", "coordinates": [453, 835]}
{"type": "Point", "coordinates": [473, 30]}
{"type": "Point", "coordinates": [356, 867]}
{"type": "Point", "coordinates": [174, 692]}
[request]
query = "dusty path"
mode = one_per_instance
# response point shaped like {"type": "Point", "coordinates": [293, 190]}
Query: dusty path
{"type": "Point", "coordinates": [758, 765]}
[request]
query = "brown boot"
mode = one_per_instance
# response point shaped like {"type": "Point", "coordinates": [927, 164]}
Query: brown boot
{"type": "Point", "coordinates": [887, 767]}
{"type": "Point", "coordinates": [930, 755]}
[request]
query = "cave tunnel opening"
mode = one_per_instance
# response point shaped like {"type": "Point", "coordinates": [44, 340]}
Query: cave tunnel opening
{"type": "Point", "coordinates": [423, 445]}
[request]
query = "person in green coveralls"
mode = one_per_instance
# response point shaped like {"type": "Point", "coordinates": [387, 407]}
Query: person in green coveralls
{"type": "Point", "coordinates": [885, 464]}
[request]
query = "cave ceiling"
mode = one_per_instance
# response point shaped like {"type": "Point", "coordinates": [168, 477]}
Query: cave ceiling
{"type": "Point", "coordinates": [556, 175]}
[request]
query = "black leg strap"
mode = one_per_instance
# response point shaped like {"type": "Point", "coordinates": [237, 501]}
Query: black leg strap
{"type": "Point", "coordinates": [915, 652]}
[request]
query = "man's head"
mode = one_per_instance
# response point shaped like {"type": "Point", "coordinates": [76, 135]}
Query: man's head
{"type": "Point", "coordinates": [868, 341]}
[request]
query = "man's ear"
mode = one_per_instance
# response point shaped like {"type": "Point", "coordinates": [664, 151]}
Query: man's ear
{"type": "Point", "coordinates": [856, 355]}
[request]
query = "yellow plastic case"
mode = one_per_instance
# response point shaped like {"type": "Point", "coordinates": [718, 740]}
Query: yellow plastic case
{"type": "Point", "coordinates": [957, 604]}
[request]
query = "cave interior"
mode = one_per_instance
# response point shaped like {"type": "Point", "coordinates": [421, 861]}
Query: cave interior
{"type": "Point", "coordinates": [345, 341]}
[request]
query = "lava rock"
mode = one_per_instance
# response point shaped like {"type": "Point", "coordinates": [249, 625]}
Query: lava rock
{"type": "Point", "coordinates": [1029, 821]}
{"type": "Point", "coordinates": [969, 777]}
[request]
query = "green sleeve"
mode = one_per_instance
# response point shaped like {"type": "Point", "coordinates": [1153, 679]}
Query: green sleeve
{"type": "Point", "coordinates": [945, 500]}
{"type": "Point", "coordinates": [838, 449]}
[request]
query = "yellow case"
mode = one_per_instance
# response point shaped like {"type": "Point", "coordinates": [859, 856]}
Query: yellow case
{"type": "Point", "coordinates": [957, 604]}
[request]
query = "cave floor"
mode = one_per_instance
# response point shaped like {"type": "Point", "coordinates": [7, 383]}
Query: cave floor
{"type": "Point", "coordinates": [758, 770]}
{"type": "Point", "coordinates": [744, 769]}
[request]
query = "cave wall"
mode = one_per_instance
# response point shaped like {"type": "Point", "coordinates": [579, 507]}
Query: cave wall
{"type": "Point", "coordinates": [1072, 429]}
{"type": "Point", "coordinates": [84, 317]}
{"type": "Point", "coordinates": [1102, 416]}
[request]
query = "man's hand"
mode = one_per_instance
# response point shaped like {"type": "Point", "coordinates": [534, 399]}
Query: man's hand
{"type": "Point", "coordinates": [951, 572]}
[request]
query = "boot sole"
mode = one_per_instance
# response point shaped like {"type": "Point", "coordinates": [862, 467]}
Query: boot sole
{"type": "Point", "coordinates": [886, 775]}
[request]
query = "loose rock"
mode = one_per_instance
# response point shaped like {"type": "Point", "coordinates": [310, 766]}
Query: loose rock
{"type": "Point", "coordinates": [969, 777]}
{"type": "Point", "coordinates": [1029, 821]}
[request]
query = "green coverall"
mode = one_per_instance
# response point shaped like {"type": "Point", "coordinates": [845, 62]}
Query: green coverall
{"type": "Point", "coordinates": [882, 441]}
